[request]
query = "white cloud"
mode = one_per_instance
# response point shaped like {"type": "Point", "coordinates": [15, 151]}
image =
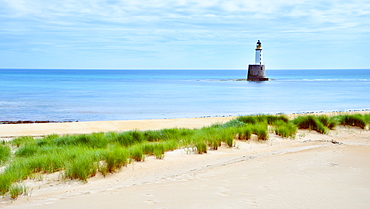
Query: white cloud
{"type": "Point", "coordinates": [157, 10]}
{"type": "Point", "coordinates": [160, 25]}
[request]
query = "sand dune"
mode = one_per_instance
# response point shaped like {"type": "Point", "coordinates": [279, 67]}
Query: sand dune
{"type": "Point", "coordinates": [308, 172]}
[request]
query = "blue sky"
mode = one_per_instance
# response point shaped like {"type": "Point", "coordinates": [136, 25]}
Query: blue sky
{"type": "Point", "coordinates": [181, 34]}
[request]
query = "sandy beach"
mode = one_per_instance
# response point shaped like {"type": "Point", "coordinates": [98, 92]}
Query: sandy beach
{"type": "Point", "coordinates": [40, 129]}
{"type": "Point", "coordinates": [306, 172]}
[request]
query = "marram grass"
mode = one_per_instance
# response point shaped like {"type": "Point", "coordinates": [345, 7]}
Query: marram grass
{"type": "Point", "coordinates": [81, 167]}
{"type": "Point", "coordinates": [331, 123]}
{"type": "Point", "coordinates": [285, 130]}
{"type": "Point", "coordinates": [136, 153]}
{"type": "Point", "coordinates": [4, 153]}
{"type": "Point", "coordinates": [82, 156]}
{"type": "Point", "coordinates": [310, 122]}
{"type": "Point", "coordinates": [201, 147]}
{"type": "Point", "coordinates": [22, 140]}
{"type": "Point", "coordinates": [261, 131]}
{"type": "Point", "coordinates": [353, 120]}
{"type": "Point", "coordinates": [367, 118]}
{"type": "Point", "coordinates": [16, 190]}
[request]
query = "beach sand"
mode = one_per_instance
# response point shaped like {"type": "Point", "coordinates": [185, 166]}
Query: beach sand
{"type": "Point", "coordinates": [39, 129]}
{"type": "Point", "coordinates": [307, 172]}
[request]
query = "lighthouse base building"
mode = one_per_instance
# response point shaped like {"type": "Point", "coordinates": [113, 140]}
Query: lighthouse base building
{"type": "Point", "coordinates": [256, 72]}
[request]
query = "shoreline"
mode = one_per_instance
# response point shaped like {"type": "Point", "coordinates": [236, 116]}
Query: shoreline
{"type": "Point", "coordinates": [32, 121]}
{"type": "Point", "coordinates": [42, 129]}
{"type": "Point", "coordinates": [62, 128]}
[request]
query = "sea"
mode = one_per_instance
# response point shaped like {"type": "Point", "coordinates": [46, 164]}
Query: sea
{"type": "Point", "coordinates": [104, 95]}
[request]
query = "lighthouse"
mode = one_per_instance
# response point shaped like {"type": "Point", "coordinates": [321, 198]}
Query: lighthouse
{"type": "Point", "coordinates": [258, 53]}
{"type": "Point", "coordinates": [256, 71]}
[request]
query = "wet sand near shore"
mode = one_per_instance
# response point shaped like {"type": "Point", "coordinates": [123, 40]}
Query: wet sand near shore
{"type": "Point", "coordinates": [309, 171]}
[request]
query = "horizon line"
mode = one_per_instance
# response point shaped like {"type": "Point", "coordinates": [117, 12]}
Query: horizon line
{"type": "Point", "coordinates": [13, 68]}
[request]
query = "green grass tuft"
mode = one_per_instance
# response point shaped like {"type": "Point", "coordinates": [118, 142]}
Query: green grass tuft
{"type": "Point", "coordinates": [310, 122]}
{"type": "Point", "coordinates": [261, 131]}
{"type": "Point", "coordinates": [201, 147]}
{"type": "Point", "coordinates": [115, 157]}
{"type": "Point", "coordinates": [244, 133]}
{"type": "Point", "coordinates": [327, 121]}
{"type": "Point", "coordinates": [247, 119]}
{"type": "Point", "coordinates": [271, 119]}
{"type": "Point", "coordinates": [159, 150]}
{"type": "Point", "coordinates": [22, 141]}
{"type": "Point", "coordinates": [152, 136]}
{"type": "Point", "coordinates": [130, 138]}
{"type": "Point", "coordinates": [367, 118]}
{"type": "Point", "coordinates": [6, 180]}
{"type": "Point", "coordinates": [81, 167]}
{"type": "Point", "coordinates": [231, 123]}
{"type": "Point", "coordinates": [94, 140]}
{"type": "Point", "coordinates": [136, 153]}
{"type": "Point", "coordinates": [47, 140]}
{"type": "Point", "coordinates": [227, 136]}
{"type": "Point", "coordinates": [16, 190]}
{"type": "Point", "coordinates": [285, 129]}
{"type": "Point", "coordinates": [27, 150]}
{"type": "Point", "coordinates": [353, 120]}
{"type": "Point", "coordinates": [4, 153]}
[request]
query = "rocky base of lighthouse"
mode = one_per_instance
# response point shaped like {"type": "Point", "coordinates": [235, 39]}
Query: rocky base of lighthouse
{"type": "Point", "coordinates": [256, 73]}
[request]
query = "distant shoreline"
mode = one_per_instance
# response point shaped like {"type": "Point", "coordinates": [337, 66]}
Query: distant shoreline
{"type": "Point", "coordinates": [215, 116]}
{"type": "Point", "coordinates": [32, 121]}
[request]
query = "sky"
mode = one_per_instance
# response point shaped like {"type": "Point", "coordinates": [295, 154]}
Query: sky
{"type": "Point", "coordinates": [184, 34]}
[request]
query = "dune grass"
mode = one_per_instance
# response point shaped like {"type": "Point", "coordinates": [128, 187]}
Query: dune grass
{"type": "Point", "coordinates": [310, 122]}
{"type": "Point", "coordinates": [136, 153]}
{"type": "Point", "coordinates": [367, 118]}
{"type": "Point", "coordinates": [285, 129]}
{"type": "Point", "coordinates": [201, 147]}
{"type": "Point", "coordinates": [248, 119]}
{"type": "Point", "coordinates": [353, 120]}
{"type": "Point", "coordinates": [244, 132]}
{"type": "Point", "coordinates": [16, 190]}
{"type": "Point", "coordinates": [329, 122]}
{"type": "Point", "coordinates": [261, 131]}
{"type": "Point", "coordinates": [114, 157]}
{"type": "Point", "coordinates": [82, 165]}
{"type": "Point", "coordinates": [83, 156]}
{"type": "Point", "coordinates": [21, 140]}
{"type": "Point", "coordinates": [158, 148]}
{"type": "Point", "coordinates": [4, 153]}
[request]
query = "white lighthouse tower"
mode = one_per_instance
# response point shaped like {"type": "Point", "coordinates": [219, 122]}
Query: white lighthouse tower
{"type": "Point", "coordinates": [258, 53]}
{"type": "Point", "coordinates": [256, 71]}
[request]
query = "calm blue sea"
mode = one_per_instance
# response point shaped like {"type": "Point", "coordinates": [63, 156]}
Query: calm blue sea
{"type": "Point", "coordinates": [96, 95]}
